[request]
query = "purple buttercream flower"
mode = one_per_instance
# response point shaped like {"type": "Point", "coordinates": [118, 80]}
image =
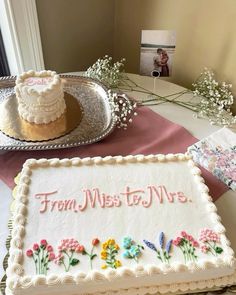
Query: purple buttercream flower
{"type": "Point", "coordinates": [168, 246]}
{"type": "Point", "coordinates": [150, 245]}
{"type": "Point", "coordinates": [161, 240]}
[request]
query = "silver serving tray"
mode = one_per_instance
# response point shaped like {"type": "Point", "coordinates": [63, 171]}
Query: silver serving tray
{"type": "Point", "coordinates": [97, 121]}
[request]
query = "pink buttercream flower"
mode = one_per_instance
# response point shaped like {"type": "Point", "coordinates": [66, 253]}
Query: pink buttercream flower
{"type": "Point", "coordinates": [58, 259]}
{"type": "Point", "coordinates": [80, 249]}
{"type": "Point", "coordinates": [35, 247]}
{"type": "Point", "coordinates": [29, 253]}
{"type": "Point", "coordinates": [208, 235]}
{"type": "Point", "coordinates": [204, 248]}
{"type": "Point", "coordinates": [43, 243]}
{"type": "Point", "coordinates": [177, 241]}
{"type": "Point", "coordinates": [184, 234]}
{"type": "Point", "coordinates": [190, 238]}
{"type": "Point", "coordinates": [49, 248]}
{"type": "Point", "coordinates": [51, 256]}
{"type": "Point", "coordinates": [195, 244]}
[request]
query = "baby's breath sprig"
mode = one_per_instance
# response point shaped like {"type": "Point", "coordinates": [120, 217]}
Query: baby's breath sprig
{"type": "Point", "coordinates": [106, 71]}
{"type": "Point", "coordinates": [216, 99]}
{"type": "Point", "coordinates": [213, 100]}
{"type": "Point", "coordinates": [122, 109]}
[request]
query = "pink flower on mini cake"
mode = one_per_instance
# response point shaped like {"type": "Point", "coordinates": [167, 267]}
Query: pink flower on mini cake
{"type": "Point", "coordinates": [67, 250]}
{"type": "Point", "coordinates": [42, 255]}
{"type": "Point", "coordinates": [187, 244]}
{"type": "Point", "coordinates": [210, 241]}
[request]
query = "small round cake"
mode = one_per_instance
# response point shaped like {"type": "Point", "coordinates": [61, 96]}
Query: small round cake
{"type": "Point", "coordinates": [40, 96]}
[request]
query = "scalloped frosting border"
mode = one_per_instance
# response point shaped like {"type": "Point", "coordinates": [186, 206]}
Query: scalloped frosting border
{"type": "Point", "coordinates": [15, 272]}
{"type": "Point", "coordinates": [52, 86]}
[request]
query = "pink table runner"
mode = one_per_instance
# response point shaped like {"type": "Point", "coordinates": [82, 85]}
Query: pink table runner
{"type": "Point", "coordinates": [149, 133]}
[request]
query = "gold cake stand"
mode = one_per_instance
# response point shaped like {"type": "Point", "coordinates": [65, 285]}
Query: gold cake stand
{"type": "Point", "coordinates": [16, 127]}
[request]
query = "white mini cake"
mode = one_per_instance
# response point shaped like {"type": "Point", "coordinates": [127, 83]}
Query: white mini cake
{"type": "Point", "coordinates": [40, 96]}
{"type": "Point", "coordinates": [128, 225]}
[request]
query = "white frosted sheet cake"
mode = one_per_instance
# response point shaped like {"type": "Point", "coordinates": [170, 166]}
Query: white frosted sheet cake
{"type": "Point", "coordinates": [134, 224]}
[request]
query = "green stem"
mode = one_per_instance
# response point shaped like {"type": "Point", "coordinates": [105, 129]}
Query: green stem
{"type": "Point", "coordinates": [211, 248]}
{"type": "Point", "coordinates": [42, 262]}
{"type": "Point", "coordinates": [183, 251]}
{"type": "Point", "coordinates": [69, 260]}
{"type": "Point", "coordinates": [39, 261]}
{"type": "Point", "coordinates": [90, 255]}
{"type": "Point", "coordinates": [35, 263]}
{"type": "Point", "coordinates": [63, 262]}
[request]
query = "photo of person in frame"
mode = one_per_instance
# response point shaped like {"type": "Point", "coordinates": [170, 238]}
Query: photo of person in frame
{"type": "Point", "coordinates": [157, 52]}
{"type": "Point", "coordinates": [160, 62]}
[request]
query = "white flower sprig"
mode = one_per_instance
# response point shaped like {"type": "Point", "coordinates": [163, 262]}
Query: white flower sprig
{"type": "Point", "coordinates": [216, 99]}
{"type": "Point", "coordinates": [106, 71]}
{"type": "Point", "coordinates": [213, 100]}
{"type": "Point", "coordinates": [122, 109]}
{"type": "Point", "coordinates": [109, 73]}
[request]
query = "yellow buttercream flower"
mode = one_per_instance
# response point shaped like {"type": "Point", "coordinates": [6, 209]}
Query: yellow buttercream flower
{"type": "Point", "coordinates": [117, 263]}
{"type": "Point", "coordinates": [105, 245]}
{"type": "Point", "coordinates": [111, 242]}
{"type": "Point", "coordinates": [116, 247]}
{"type": "Point", "coordinates": [104, 266]}
{"type": "Point", "coordinates": [104, 255]}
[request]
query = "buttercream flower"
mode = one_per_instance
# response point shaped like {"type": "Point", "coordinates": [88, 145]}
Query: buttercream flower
{"type": "Point", "coordinates": [126, 254]}
{"type": "Point", "coordinates": [105, 245]}
{"type": "Point", "coordinates": [104, 266]}
{"type": "Point", "coordinates": [204, 249]}
{"type": "Point", "coordinates": [127, 242]}
{"type": "Point", "coordinates": [209, 240]}
{"type": "Point", "coordinates": [177, 241]}
{"type": "Point", "coordinates": [29, 253]}
{"type": "Point", "coordinates": [150, 245]}
{"type": "Point", "coordinates": [187, 245]}
{"type": "Point", "coordinates": [161, 239]}
{"type": "Point", "coordinates": [51, 256]}
{"type": "Point", "coordinates": [183, 234]}
{"type": "Point", "coordinates": [35, 247]}
{"type": "Point", "coordinates": [111, 242]}
{"type": "Point", "coordinates": [195, 244]}
{"type": "Point", "coordinates": [42, 254]}
{"type": "Point", "coordinates": [103, 255]}
{"type": "Point", "coordinates": [135, 250]}
{"type": "Point", "coordinates": [49, 248]}
{"type": "Point", "coordinates": [43, 243]}
{"type": "Point", "coordinates": [68, 247]}
{"type": "Point", "coordinates": [168, 246]}
{"type": "Point", "coordinates": [117, 263]}
{"type": "Point", "coordinates": [95, 241]}
{"type": "Point", "coordinates": [116, 247]}
{"type": "Point", "coordinates": [162, 249]}
{"type": "Point", "coordinates": [109, 251]}
{"type": "Point", "coordinates": [80, 249]}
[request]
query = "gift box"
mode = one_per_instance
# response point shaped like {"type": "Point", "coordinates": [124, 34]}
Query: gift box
{"type": "Point", "coordinates": [217, 153]}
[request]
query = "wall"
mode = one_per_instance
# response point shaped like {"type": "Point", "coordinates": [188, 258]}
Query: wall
{"type": "Point", "coordinates": [206, 35]}
{"type": "Point", "coordinates": [75, 33]}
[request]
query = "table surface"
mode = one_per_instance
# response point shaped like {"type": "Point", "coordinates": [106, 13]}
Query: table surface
{"type": "Point", "coordinates": [199, 128]}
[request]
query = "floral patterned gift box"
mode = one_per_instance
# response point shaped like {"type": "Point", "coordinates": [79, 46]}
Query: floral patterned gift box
{"type": "Point", "coordinates": [217, 153]}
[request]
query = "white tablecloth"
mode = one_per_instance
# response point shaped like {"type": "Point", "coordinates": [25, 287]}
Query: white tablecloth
{"type": "Point", "coordinates": [199, 128]}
